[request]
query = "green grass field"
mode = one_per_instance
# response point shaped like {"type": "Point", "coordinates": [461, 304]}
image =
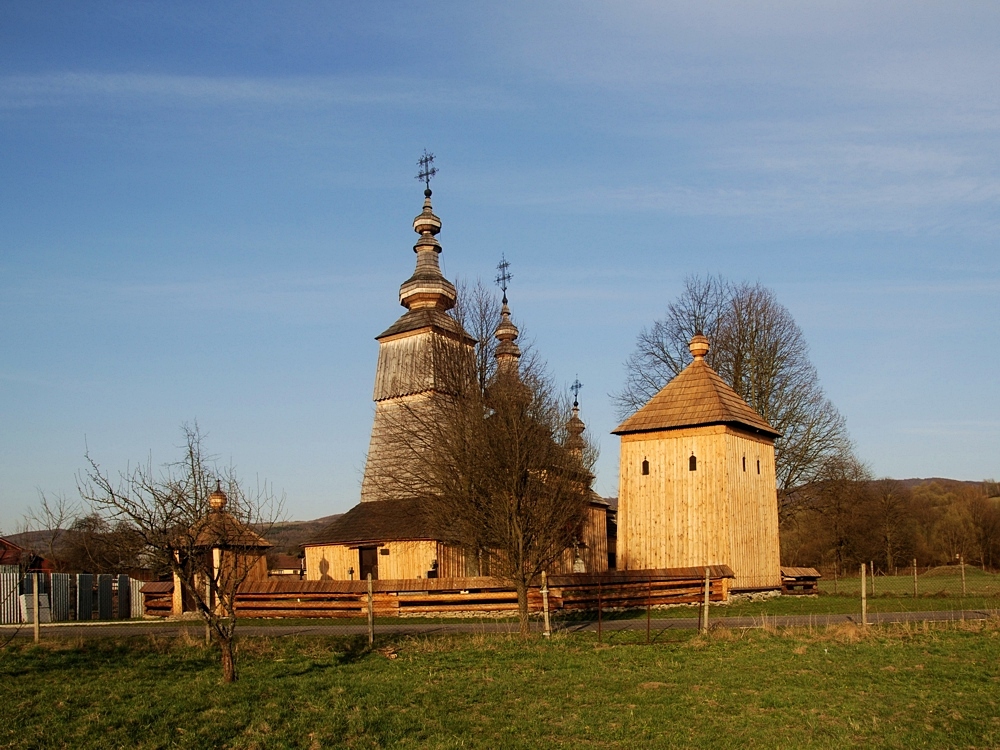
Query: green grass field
{"type": "Point", "coordinates": [907, 687]}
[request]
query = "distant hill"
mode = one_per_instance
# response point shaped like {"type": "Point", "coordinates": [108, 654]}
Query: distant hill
{"type": "Point", "coordinates": [35, 540]}
{"type": "Point", "coordinates": [947, 483]}
{"type": "Point", "coordinates": [286, 536]}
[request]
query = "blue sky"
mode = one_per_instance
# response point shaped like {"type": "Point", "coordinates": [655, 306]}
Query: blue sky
{"type": "Point", "coordinates": [205, 213]}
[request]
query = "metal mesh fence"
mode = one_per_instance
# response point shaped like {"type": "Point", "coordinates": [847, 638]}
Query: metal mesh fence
{"type": "Point", "coordinates": [943, 580]}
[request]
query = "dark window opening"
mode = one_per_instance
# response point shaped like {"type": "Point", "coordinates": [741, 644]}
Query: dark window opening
{"type": "Point", "coordinates": [758, 466]}
{"type": "Point", "coordinates": [744, 463]}
{"type": "Point", "coordinates": [368, 563]}
{"type": "Point", "coordinates": [645, 466]}
{"type": "Point", "coordinates": [692, 463]}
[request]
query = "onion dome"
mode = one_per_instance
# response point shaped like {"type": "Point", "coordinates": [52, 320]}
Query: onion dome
{"type": "Point", "coordinates": [217, 500]}
{"type": "Point", "coordinates": [574, 431]}
{"type": "Point", "coordinates": [507, 353]}
{"type": "Point", "coordinates": [427, 288]}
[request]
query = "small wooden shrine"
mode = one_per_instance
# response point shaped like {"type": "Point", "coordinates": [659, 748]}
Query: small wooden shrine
{"type": "Point", "coordinates": [225, 547]}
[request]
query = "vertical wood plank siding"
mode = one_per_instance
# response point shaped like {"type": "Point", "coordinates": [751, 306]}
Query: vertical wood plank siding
{"type": "Point", "coordinates": [594, 548]}
{"type": "Point", "coordinates": [410, 559]}
{"type": "Point", "coordinates": [718, 514]}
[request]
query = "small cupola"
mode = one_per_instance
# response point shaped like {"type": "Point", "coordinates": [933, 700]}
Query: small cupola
{"type": "Point", "coordinates": [217, 500]}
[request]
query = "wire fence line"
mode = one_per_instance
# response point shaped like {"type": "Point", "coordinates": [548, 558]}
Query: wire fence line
{"type": "Point", "coordinates": [958, 579]}
{"type": "Point", "coordinates": [83, 605]}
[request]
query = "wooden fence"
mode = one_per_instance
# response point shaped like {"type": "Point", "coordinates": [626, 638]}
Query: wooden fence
{"type": "Point", "coordinates": [278, 597]}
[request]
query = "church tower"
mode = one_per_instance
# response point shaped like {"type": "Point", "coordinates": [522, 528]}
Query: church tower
{"type": "Point", "coordinates": [425, 358]}
{"type": "Point", "coordinates": [697, 481]}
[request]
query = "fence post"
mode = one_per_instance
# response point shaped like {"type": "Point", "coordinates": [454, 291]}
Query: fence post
{"type": "Point", "coordinates": [371, 612]}
{"type": "Point", "coordinates": [961, 561]}
{"type": "Point", "coordinates": [864, 597]}
{"type": "Point", "coordinates": [545, 604]}
{"type": "Point", "coordinates": [871, 574]}
{"type": "Point", "coordinates": [914, 578]}
{"type": "Point", "coordinates": [600, 606]}
{"type": "Point", "coordinates": [36, 581]}
{"type": "Point", "coordinates": [649, 597]}
{"type": "Point", "coordinates": [704, 605]}
{"type": "Point", "coordinates": [835, 576]}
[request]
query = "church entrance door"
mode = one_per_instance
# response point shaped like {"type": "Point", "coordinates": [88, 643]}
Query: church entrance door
{"type": "Point", "coordinates": [368, 562]}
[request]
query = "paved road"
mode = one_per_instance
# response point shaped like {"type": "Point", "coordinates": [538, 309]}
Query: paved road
{"type": "Point", "coordinates": [410, 627]}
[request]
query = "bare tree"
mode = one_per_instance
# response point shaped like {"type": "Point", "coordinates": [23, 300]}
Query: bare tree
{"type": "Point", "coordinates": [45, 528]}
{"type": "Point", "coordinates": [509, 486]}
{"type": "Point", "coordinates": [840, 492]}
{"type": "Point", "coordinates": [95, 545]}
{"type": "Point", "coordinates": [495, 478]}
{"type": "Point", "coordinates": [477, 309]}
{"type": "Point", "coordinates": [196, 520]}
{"type": "Point", "coordinates": [759, 350]}
{"type": "Point", "coordinates": [890, 514]}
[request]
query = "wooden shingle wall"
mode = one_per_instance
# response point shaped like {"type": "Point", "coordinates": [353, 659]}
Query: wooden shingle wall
{"type": "Point", "coordinates": [392, 470]}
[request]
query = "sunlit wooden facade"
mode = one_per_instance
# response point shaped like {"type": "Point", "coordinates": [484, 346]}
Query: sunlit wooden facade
{"type": "Point", "coordinates": [697, 481]}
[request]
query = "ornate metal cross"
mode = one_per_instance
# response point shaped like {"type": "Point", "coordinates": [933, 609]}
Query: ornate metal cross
{"type": "Point", "coordinates": [504, 276]}
{"type": "Point", "coordinates": [577, 385]}
{"type": "Point", "coordinates": [427, 168]}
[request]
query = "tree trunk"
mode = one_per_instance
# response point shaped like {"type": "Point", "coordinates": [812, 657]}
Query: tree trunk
{"type": "Point", "coordinates": [228, 659]}
{"type": "Point", "coordinates": [522, 606]}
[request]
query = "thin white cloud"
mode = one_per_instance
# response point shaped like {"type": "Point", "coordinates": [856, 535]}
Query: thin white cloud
{"type": "Point", "coordinates": [75, 88]}
{"type": "Point", "coordinates": [286, 295]}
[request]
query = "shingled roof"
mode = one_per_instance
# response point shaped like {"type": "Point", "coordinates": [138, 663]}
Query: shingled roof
{"type": "Point", "coordinates": [414, 320]}
{"type": "Point", "coordinates": [696, 397]}
{"type": "Point", "coordinates": [379, 521]}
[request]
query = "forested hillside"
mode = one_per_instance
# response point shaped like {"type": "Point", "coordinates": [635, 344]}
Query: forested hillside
{"type": "Point", "coordinates": [846, 520]}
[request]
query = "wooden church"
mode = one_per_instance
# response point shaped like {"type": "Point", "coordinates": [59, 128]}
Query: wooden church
{"type": "Point", "coordinates": [697, 475]}
{"type": "Point", "coordinates": [425, 358]}
{"type": "Point", "coordinates": [697, 481]}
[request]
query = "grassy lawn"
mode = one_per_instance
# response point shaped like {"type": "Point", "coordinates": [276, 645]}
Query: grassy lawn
{"type": "Point", "coordinates": [912, 687]}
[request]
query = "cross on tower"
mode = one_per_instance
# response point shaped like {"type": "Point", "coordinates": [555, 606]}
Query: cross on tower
{"type": "Point", "coordinates": [577, 385]}
{"type": "Point", "coordinates": [504, 276]}
{"type": "Point", "coordinates": [427, 170]}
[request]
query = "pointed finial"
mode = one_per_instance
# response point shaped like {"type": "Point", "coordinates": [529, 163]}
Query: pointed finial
{"type": "Point", "coordinates": [698, 346]}
{"type": "Point", "coordinates": [427, 170]}
{"type": "Point", "coordinates": [577, 385]}
{"type": "Point", "coordinates": [503, 276]}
